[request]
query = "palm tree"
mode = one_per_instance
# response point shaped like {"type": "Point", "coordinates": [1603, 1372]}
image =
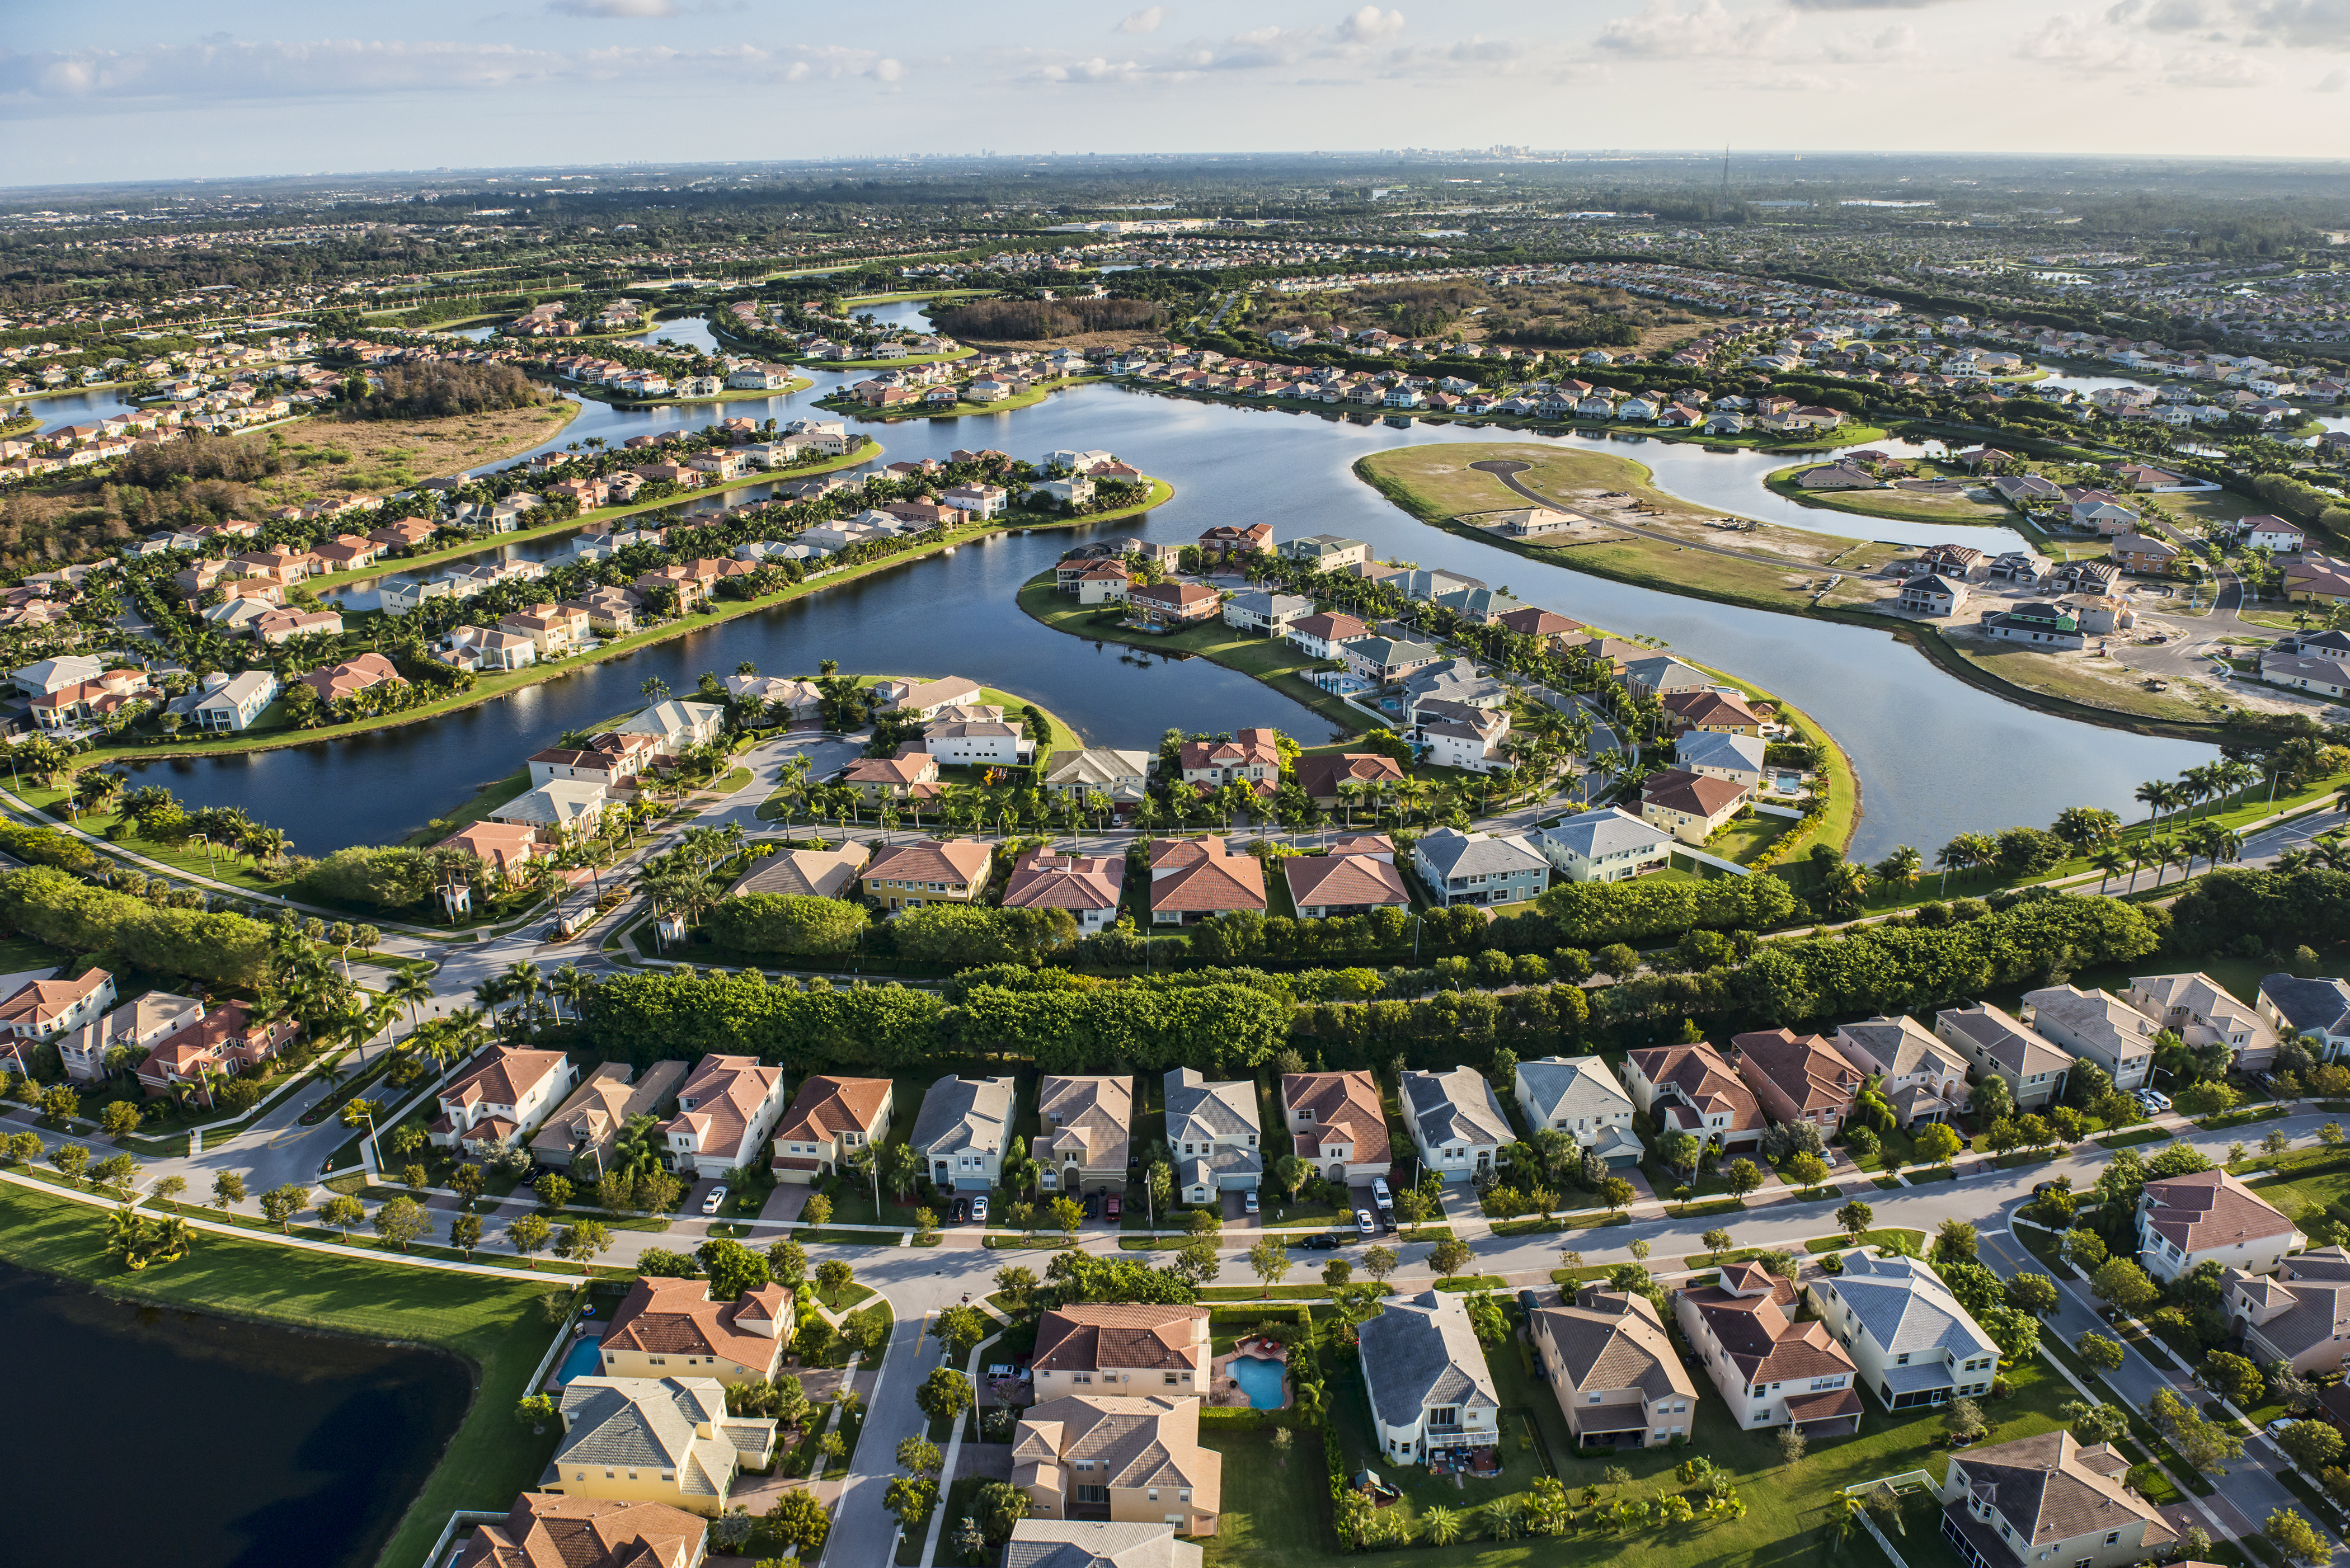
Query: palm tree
{"type": "Point", "coordinates": [524, 982]}
{"type": "Point", "coordinates": [2109, 862]}
{"type": "Point", "coordinates": [2157, 796]}
{"type": "Point", "coordinates": [571, 984]}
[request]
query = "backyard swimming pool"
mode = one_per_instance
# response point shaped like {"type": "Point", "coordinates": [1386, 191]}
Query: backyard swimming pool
{"type": "Point", "coordinates": [584, 1359]}
{"type": "Point", "coordinates": [1260, 1379]}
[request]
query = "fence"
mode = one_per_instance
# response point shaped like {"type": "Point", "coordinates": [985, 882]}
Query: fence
{"type": "Point", "coordinates": [459, 1521]}
{"type": "Point", "coordinates": [1906, 1481]}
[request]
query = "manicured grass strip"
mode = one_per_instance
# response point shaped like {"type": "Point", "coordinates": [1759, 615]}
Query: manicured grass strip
{"type": "Point", "coordinates": [2242, 1118]}
{"type": "Point", "coordinates": [855, 1295]}
{"type": "Point", "coordinates": [1471, 1282]}
{"type": "Point", "coordinates": [805, 1236]}
{"type": "Point", "coordinates": [496, 1326]}
{"type": "Point", "coordinates": [1700, 1210]}
{"type": "Point", "coordinates": [1932, 1173]}
{"type": "Point", "coordinates": [2014, 1157]}
{"type": "Point", "coordinates": [1259, 1293]}
{"type": "Point", "coordinates": [1884, 1183]}
{"type": "Point", "coordinates": [1840, 1243]}
{"type": "Point", "coordinates": [2133, 1136]}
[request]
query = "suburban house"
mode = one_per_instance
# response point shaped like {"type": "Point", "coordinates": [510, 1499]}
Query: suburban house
{"type": "Point", "coordinates": [928, 871]}
{"type": "Point", "coordinates": [1195, 879]}
{"type": "Point", "coordinates": [665, 1440]}
{"type": "Point", "coordinates": [504, 1095]}
{"type": "Point", "coordinates": [1709, 753]}
{"type": "Point", "coordinates": [1607, 845]}
{"type": "Point", "coordinates": [1613, 1370]}
{"type": "Point", "coordinates": [1994, 1042]}
{"type": "Point", "coordinates": [2097, 1025]}
{"type": "Point", "coordinates": [1125, 1459]}
{"type": "Point", "coordinates": [1088, 886]}
{"type": "Point", "coordinates": [505, 848]}
{"type": "Point", "coordinates": [1714, 712]}
{"type": "Point", "coordinates": [670, 1327]}
{"type": "Point", "coordinates": [1269, 613]}
{"type": "Point", "coordinates": [2140, 553]}
{"type": "Point", "coordinates": [1460, 868]}
{"type": "Point", "coordinates": [2302, 1315]}
{"type": "Point", "coordinates": [2201, 1012]}
{"type": "Point", "coordinates": [1167, 607]}
{"type": "Point", "coordinates": [1122, 1348]}
{"type": "Point", "coordinates": [225, 1042]}
{"type": "Point", "coordinates": [911, 775]}
{"type": "Point", "coordinates": [2316, 1012]}
{"type": "Point", "coordinates": [2047, 1498]}
{"type": "Point", "coordinates": [1326, 779]}
{"type": "Point", "coordinates": [1322, 636]}
{"type": "Point", "coordinates": [45, 1009]}
{"type": "Point", "coordinates": [553, 1532]}
{"type": "Point", "coordinates": [1087, 1126]}
{"type": "Point", "coordinates": [1798, 1078]}
{"type": "Point", "coordinates": [1097, 1544]}
{"type": "Point", "coordinates": [578, 1137]}
{"type": "Point", "coordinates": [1430, 1387]}
{"type": "Point", "coordinates": [134, 1027]}
{"type": "Point", "coordinates": [1252, 756]}
{"type": "Point", "coordinates": [725, 1111]}
{"type": "Point", "coordinates": [1226, 539]}
{"type": "Point", "coordinates": [1912, 1341]}
{"type": "Point", "coordinates": [1120, 777]}
{"type": "Point", "coordinates": [1457, 1120]}
{"type": "Point", "coordinates": [1322, 886]}
{"type": "Point", "coordinates": [1692, 806]}
{"type": "Point", "coordinates": [1922, 1079]}
{"type": "Point", "coordinates": [1578, 1096]}
{"type": "Point", "coordinates": [1326, 552]}
{"type": "Point", "coordinates": [804, 873]}
{"type": "Point", "coordinates": [1691, 1089]}
{"type": "Point", "coordinates": [228, 701]}
{"type": "Point", "coordinates": [1211, 1134]}
{"type": "Point", "coordinates": [2051, 627]}
{"type": "Point", "coordinates": [1770, 1369]}
{"type": "Point", "coordinates": [979, 743]}
{"type": "Point", "coordinates": [2209, 1216]}
{"type": "Point", "coordinates": [1932, 594]}
{"type": "Point", "coordinates": [830, 1119]}
{"type": "Point", "coordinates": [925, 700]}
{"type": "Point", "coordinates": [962, 1130]}
{"type": "Point", "coordinates": [1338, 1124]}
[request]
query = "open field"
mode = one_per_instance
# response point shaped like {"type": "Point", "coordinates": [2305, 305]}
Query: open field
{"type": "Point", "coordinates": [328, 456]}
{"type": "Point", "coordinates": [1901, 504]}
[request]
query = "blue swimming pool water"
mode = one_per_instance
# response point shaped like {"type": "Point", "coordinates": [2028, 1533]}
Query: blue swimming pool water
{"type": "Point", "coordinates": [584, 1359]}
{"type": "Point", "coordinates": [1260, 1379]}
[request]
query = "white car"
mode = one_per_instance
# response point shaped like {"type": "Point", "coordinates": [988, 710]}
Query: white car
{"type": "Point", "coordinates": [1379, 1193]}
{"type": "Point", "coordinates": [979, 1210]}
{"type": "Point", "coordinates": [2155, 1098]}
{"type": "Point", "coordinates": [715, 1201]}
{"type": "Point", "coordinates": [1248, 1202]}
{"type": "Point", "coordinates": [1363, 1226]}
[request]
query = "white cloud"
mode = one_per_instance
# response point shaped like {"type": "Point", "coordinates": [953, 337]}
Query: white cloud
{"type": "Point", "coordinates": [1146, 20]}
{"type": "Point", "coordinates": [1661, 32]}
{"type": "Point", "coordinates": [614, 9]}
{"type": "Point", "coordinates": [2248, 24]}
{"type": "Point", "coordinates": [888, 71]}
{"type": "Point", "coordinates": [2331, 81]}
{"type": "Point", "coordinates": [1864, 5]}
{"type": "Point", "coordinates": [1371, 26]}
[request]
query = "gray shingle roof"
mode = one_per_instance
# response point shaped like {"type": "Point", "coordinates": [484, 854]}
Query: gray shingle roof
{"type": "Point", "coordinates": [1456, 1105]}
{"type": "Point", "coordinates": [1903, 1305]}
{"type": "Point", "coordinates": [1569, 1086]}
{"type": "Point", "coordinates": [1453, 853]}
{"type": "Point", "coordinates": [1606, 831]}
{"type": "Point", "coordinates": [1712, 749]}
{"type": "Point", "coordinates": [648, 1422]}
{"type": "Point", "coordinates": [1091, 1544]}
{"type": "Point", "coordinates": [2317, 1005]}
{"type": "Point", "coordinates": [1199, 1108]}
{"type": "Point", "coordinates": [1422, 1352]}
{"type": "Point", "coordinates": [964, 1113]}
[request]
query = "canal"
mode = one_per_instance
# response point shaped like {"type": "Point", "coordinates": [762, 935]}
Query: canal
{"type": "Point", "coordinates": [1924, 745]}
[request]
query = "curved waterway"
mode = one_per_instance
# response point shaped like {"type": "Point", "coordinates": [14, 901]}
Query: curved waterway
{"type": "Point", "coordinates": [1936, 757]}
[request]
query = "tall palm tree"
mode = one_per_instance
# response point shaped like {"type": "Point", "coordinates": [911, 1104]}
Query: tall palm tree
{"type": "Point", "coordinates": [571, 984]}
{"type": "Point", "coordinates": [2157, 796]}
{"type": "Point", "coordinates": [2109, 862]}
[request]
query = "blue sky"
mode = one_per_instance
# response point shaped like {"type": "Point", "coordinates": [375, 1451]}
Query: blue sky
{"type": "Point", "coordinates": [139, 88]}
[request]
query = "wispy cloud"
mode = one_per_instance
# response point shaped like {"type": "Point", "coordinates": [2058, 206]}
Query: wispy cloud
{"type": "Point", "coordinates": [1146, 20]}
{"type": "Point", "coordinates": [1661, 32]}
{"type": "Point", "coordinates": [613, 10]}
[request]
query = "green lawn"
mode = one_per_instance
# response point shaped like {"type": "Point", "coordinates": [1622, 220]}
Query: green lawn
{"type": "Point", "coordinates": [496, 1326]}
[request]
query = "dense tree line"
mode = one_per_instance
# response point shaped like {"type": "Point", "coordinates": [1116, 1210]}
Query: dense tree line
{"type": "Point", "coordinates": [52, 907]}
{"type": "Point", "coordinates": [240, 460]}
{"type": "Point", "coordinates": [1028, 320]}
{"type": "Point", "coordinates": [431, 391]}
{"type": "Point", "coordinates": [2231, 910]}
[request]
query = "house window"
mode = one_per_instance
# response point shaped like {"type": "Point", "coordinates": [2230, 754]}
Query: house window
{"type": "Point", "coordinates": [1184, 1495]}
{"type": "Point", "coordinates": [1171, 1380]}
{"type": "Point", "coordinates": [1093, 1494]}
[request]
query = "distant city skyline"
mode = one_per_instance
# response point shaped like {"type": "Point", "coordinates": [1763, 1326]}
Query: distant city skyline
{"type": "Point", "coordinates": [143, 90]}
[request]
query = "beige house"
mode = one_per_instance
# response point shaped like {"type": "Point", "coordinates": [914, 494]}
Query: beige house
{"type": "Point", "coordinates": [1993, 1041]}
{"type": "Point", "coordinates": [579, 1136]}
{"type": "Point", "coordinates": [671, 1328]}
{"type": "Point", "coordinates": [2202, 1012]}
{"type": "Point", "coordinates": [830, 1118]}
{"type": "Point", "coordinates": [725, 1111]}
{"type": "Point", "coordinates": [502, 1097]}
{"type": "Point", "coordinates": [2047, 1499]}
{"type": "Point", "coordinates": [1770, 1368]}
{"type": "Point", "coordinates": [1122, 1348]}
{"type": "Point", "coordinates": [2209, 1216]}
{"type": "Point", "coordinates": [1086, 1124]}
{"type": "Point", "coordinates": [45, 1009]}
{"type": "Point", "coordinates": [962, 1129]}
{"type": "Point", "coordinates": [1618, 1378]}
{"type": "Point", "coordinates": [928, 871]}
{"type": "Point", "coordinates": [2300, 1315]}
{"type": "Point", "coordinates": [1922, 1079]}
{"type": "Point", "coordinates": [1126, 1459]}
{"type": "Point", "coordinates": [2096, 1026]}
{"type": "Point", "coordinates": [655, 1439]}
{"type": "Point", "coordinates": [1690, 806]}
{"type": "Point", "coordinates": [808, 873]}
{"type": "Point", "coordinates": [552, 1532]}
{"type": "Point", "coordinates": [1338, 1124]}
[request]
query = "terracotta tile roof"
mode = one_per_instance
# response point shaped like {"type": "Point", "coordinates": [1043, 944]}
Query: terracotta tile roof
{"type": "Point", "coordinates": [1146, 1338]}
{"type": "Point", "coordinates": [2207, 1208]}
{"type": "Point", "coordinates": [1074, 882]}
{"type": "Point", "coordinates": [676, 1317]}
{"type": "Point", "coordinates": [720, 1100]}
{"type": "Point", "coordinates": [1249, 748]}
{"type": "Point", "coordinates": [1805, 1068]}
{"type": "Point", "coordinates": [1706, 1080]}
{"type": "Point", "coordinates": [1701, 708]}
{"type": "Point", "coordinates": [1342, 880]}
{"type": "Point", "coordinates": [505, 1079]}
{"type": "Point", "coordinates": [1698, 795]}
{"type": "Point", "coordinates": [547, 1530]}
{"type": "Point", "coordinates": [1347, 1108]}
{"type": "Point", "coordinates": [1320, 777]}
{"type": "Point", "coordinates": [1203, 875]}
{"type": "Point", "coordinates": [827, 1107]}
{"type": "Point", "coordinates": [1755, 1332]}
{"type": "Point", "coordinates": [1131, 1442]}
{"type": "Point", "coordinates": [34, 1006]}
{"type": "Point", "coordinates": [961, 861]}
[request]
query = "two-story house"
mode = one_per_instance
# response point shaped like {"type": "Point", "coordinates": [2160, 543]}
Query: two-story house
{"type": "Point", "coordinates": [655, 1439]}
{"type": "Point", "coordinates": [962, 1130]}
{"type": "Point", "coordinates": [1122, 1348]}
{"type": "Point", "coordinates": [1087, 1126]}
{"type": "Point", "coordinates": [2096, 1026]}
{"type": "Point", "coordinates": [1692, 1089]}
{"type": "Point", "coordinates": [1608, 844]}
{"type": "Point", "coordinates": [48, 1009]}
{"type": "Point", "coordinates": [1912, 1341]}
{"type": "Point", "coordinates": [830, 1118]}
{"type": "Point", "coordinates": [668, 1327]}
{"type": "Point", "coordinates": [501, 1097]}
{"type": "Point", "coordinates": [1430, 1390]}
{"type": "Point", "coordinates": [1578, 1096]}
{"type": "Point", "coordinates": [1212, 1135]}
{"type": "Point", "coordinates": [1457, 1120]}
{"type": "Point", "coordinates": [1798, 1078]}
{"type": "Point", "coordinates": [1618, 1380]}
{"type": "Point", "coordinates": [2314, 1011]}
{"type": "Point", "coordinates": [725, 1111]}
{"type": "Point", "coordinates": [928, 871]}
{"type": "Point", "coordinates": [132, 1028]}
{"type": "Point", "coordinates": [1338, 1124]}
{"type": "Point", "coordinates": [1251, 756]}
{"type": "Point", "coordinates": [544, 1530]}
{"type": "Point", "coordinates": [581, 1134]}
{"type": "Point", "coordinates": [2047, 1499]}
{"type": "Point", "coordinates": [1460, 868]}
{"type": "Point", "coordinates": [1770, 1369]}
{"type": "Point", "coordinates": [1994, 1041]}
{"type": "Point", "coordinates": [2300, 1315]}
{"type": "Point", "coordinates": [2209, 1216]}
{"type": "Point", "coordinates": [1125, 1459]}
{"type": "Point", "coordinates": [209, 1046]}
{"type": "Point", "coordinates": [1922, 1079]}
{"type": "Point", "coordinates": [2201, 1012]}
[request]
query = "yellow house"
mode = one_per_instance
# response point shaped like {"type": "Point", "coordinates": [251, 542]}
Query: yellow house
{"type": "Point", "coordinates": [671, 1328]}
{"type": "Point", "coordinates": [1130, 1460]}
{"type": "Point", "coordinates": [655, 1439]}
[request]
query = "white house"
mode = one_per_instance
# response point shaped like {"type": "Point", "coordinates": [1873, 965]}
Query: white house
{"type": "Point", "coordinates": [1578, 1096]}
{"type": "Point", "coordinates": [230, 701]}
{"type": "Point", "coordinates": [2099, 1025]}
{"type": "Point", "coordinates": [2209, 1216]}
{"type": "Point", "coordinates": [1457, 1120]}
{"type": "Point", "coordinates": [1608, 844]}
{"type": "Point", "coordinates": [1715, 755]}
{"type": "Point", "coordinates": [1269, 613]}
{"type": "Point", "coordinates": [499, 1100]}
{"type": "Point", "coordinates": [981, 742]}
{"type": "Point", "coordinates": [677, 726]}
{"type": "Point", "coordinates": [726, 1110]}
{"type": "Point", "coordinates": [1911, 1340]}
{"type": "Point", "coordinates": [1430, 1390]}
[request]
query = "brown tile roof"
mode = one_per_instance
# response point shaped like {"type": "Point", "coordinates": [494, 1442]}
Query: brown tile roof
{"type": "Point", "coordinates": [815, 873]}
{"type": "Point", "coordinates": [961, 861]}
{"type": "Point", "coordinates": [351, 675]}
{"type": "Point", "coordinates": [1203, 875]}
{"type": "Point", "coordinates": [34, 1006]}
{"type": "Point", "coordinates": [1804, 1067]}
{"type": "Point", "coordinates": [1249, 748]}
{"type": "Point", "coordinates": [1756, 1333]}
{"type": "Point", "coordinates": [1131, 1442]}
{"type": "Point", "coordinates": [545, 1531]}
{"type": "Point", "coordinates": [1331, 628]}
{"type": "Point", "coordinates": [1346, 1102]}
{"type": "Point", "coordinates": [2207, 1208]}
{"type": "Point", "coordinates": [1701, 708]}
{"type": "Point", "coordinates": [1043, 881]}
{"type": "Point", "coordinates": [2051, 1490]}
{"type": "Point", "coordinates": [504, 1079]}
{"type": "Point", "coordinates": [827, 1107]}
{"type": "Point", "coordinates": [1341, 880]}
{"type": "Point", "coordinates": [724, 1094]}
{"type": "Point", "coordinates": [1698, 795]}
{"type": "Point", "coordinates": [1699, 1072]}
{"type": "Point", "coordinates": [676, 1317]}
{"type": "Point", "coordinates": [1320, 776]}
{"type": "Point", "coordinates": [1146, 1338]}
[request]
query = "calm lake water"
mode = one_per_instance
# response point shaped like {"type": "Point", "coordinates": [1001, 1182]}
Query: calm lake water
{"type": "Point", "coordinates": [144, 1435]}
{"type": "Point", "coordinates": [1923, 742]}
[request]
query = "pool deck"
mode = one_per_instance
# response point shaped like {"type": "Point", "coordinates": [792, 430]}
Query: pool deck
{"type": "Point", "coordinates": [1225, 1391]}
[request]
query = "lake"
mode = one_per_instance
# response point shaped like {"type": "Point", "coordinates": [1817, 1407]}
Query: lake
{"type": "Point", "coordinates": [1921, 741]}
{"type": "Point", "coordinates": [151, 1435]}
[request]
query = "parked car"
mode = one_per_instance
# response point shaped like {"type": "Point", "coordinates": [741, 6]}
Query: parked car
{"type": "Point", "coordinates": [2042, 1188]}
{"type": "Point", "coordinates": [2277, 1427]}
{"type": "Point", "coordinates": [2157, 1098]}
{"type": "Point", "coordinates": [1248, 1202]}
{"type": "Point", "coordinates": [979, 1210]}
{"type": "Point", "coordinates": [1093, 1205]}
{"type": "Point", "coordinates": [1321, 1240]}
{"type": "Point", "coordinates": [715, 1201]}
{"type": "Point", "coordinates": [1363, 1226]}
{"type": "Point", "coordinates": [1111, 1208]}
{"type": "Point", "coordinates": [961, 1210]}
{"type": "Point", "coordinates": [1379, 1193]}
